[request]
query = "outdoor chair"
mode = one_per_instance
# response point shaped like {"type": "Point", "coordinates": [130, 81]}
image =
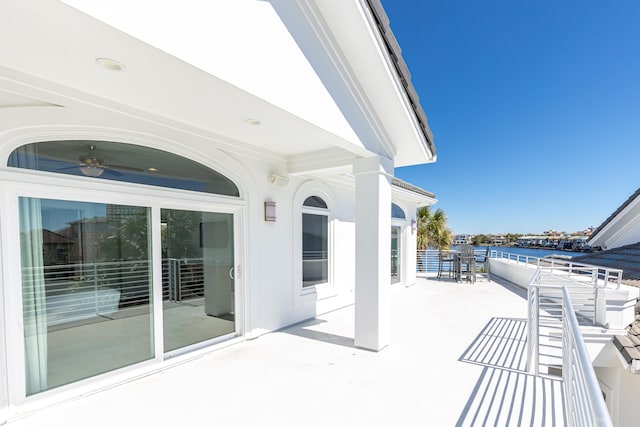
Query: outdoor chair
{"type": "Point", "coordinates": [482, 264]}
{"type": "Point", "coordinates": [445, 263]}
{"type": "Point", "coordinates": [466, 264]}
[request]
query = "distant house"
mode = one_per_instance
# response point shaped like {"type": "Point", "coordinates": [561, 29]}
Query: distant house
{"type": "Point", "coordinates": [180, 176]}
{"type": "Point", "coordinates": [497, 239]}
{"type": "Point", "coordinates": [462, 239]}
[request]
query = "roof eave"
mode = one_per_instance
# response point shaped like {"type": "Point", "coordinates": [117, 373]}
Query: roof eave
{"type": "Point", "coordinates": [404, 75]}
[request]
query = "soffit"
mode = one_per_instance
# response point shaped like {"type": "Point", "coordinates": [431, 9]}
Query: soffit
{"type": "Point", "coordinates": [13, 100]}
{"type": "Point", "coordinates": [58, 46]}
{"type": "Point", "coordinates": [619, 218]}
{"type": "Point", "coordinates": [368, 53]}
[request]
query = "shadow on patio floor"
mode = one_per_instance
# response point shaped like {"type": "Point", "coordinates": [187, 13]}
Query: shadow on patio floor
{"type": "Point", "coordinates": [506, 394]}
{"type": "Point", "coordinates": [302, 330]}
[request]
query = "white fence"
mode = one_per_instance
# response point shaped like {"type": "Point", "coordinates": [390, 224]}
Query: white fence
{"type": "Point", "coordinates": [597, 276]}
{"type": "Point", "coordinates": [554, 321]}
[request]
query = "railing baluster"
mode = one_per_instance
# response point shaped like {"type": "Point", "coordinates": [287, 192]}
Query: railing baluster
{"type": "Point", "coordinates": [584, 404]}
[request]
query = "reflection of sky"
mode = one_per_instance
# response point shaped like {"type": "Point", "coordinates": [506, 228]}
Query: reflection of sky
{"type": "Point", "coordinates": [57, 214]}
{"type": "Point", "coordinates": [148, 178]}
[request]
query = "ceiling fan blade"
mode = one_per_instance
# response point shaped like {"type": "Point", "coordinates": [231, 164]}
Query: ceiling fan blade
{"type": "Point", "coordinates": [123, 168]}
{"type": "Point", "coordinates": [69, 167]}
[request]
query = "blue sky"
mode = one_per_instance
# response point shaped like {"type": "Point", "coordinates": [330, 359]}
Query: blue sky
{"type": "Point", "coordinates": [534, 105]}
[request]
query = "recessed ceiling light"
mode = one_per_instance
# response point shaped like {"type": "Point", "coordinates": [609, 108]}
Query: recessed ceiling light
{"type": "Point", "coordinates": [253, 122]}
{"type": "Point", "coordinates": [110, 64]}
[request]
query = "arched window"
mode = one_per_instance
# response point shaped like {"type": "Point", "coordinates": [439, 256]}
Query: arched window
{"type": "Point", "coordinates": [315, 202]}
{"type": "Point", "coordinates": [121, 162]}
{"type": "Point", "coordinates": [315, 241]}
{"type": "Point", "coordinates": [397, 212]}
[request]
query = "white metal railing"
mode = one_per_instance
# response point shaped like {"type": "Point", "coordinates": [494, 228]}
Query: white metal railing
{"type": "Point", "coordinates": [427, 261]}
{"type": "Point", "coordinates": [597, 276]}
{"type": "Point", "coordinates": [533, 325]}
{"type": "Point", "coordinates": [584, 404]}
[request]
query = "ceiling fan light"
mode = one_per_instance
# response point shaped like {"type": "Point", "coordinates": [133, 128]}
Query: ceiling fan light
{"type": "Point", "coordinates": [92, 171]}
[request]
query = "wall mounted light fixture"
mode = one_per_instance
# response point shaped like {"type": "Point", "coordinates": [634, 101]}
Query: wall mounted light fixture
{"type": "Point", "coordinates": [270, 211]}
{"type": "Point", "coordinates": [414, 225]}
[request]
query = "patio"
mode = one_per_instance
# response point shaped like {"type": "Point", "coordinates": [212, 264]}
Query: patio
{"type": "Point", "coordinates": [456, 358]}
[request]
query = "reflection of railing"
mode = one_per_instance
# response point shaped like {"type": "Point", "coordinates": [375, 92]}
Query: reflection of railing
{"type": "Point", "coordinates": [551, 309]}
{"type": "Point", "coordinates": [78, 291]}
{"type": "Point", "coordinates": [314, 255]}
{"type": "Point", "coordinates": [315, 267]}
{"type": "Point", "coordinates": [182, 278]}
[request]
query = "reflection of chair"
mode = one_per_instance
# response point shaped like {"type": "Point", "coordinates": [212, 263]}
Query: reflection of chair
{"type": "Point", "coordinates": [482, 264]}
{"type": "Point", "coordinates": [466, 264]}
{"type": "Point", "coordinates": [445, 263]}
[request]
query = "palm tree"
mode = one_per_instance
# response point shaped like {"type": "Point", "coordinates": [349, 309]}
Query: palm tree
{"type": "Point", "coordinates": [432, 229]}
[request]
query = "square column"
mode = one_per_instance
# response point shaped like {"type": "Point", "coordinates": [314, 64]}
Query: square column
{"type": "Point", "coordinates": [373, 253]}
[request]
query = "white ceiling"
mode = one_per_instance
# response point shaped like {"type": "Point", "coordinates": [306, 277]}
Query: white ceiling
{"type": "Point", "coordinates": [205, 69]}
{"type": "Point", "coordinates": [54, 63]}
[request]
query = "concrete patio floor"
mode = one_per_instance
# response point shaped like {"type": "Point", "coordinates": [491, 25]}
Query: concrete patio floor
{"type": "Point", "coordinates": [456, 359]}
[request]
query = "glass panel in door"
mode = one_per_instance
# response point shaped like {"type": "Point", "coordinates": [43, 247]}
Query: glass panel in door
{"type": "Point", "coordinates": [395, 254]}
{"type": "Point", "coordinates": [197, 276]}
{"type": "Point", "coordinates": [86, 289]}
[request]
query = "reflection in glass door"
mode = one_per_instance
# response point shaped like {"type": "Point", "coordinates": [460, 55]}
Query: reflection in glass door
{"type": "Point", "coordinates": [395, 255]}
{"type": "Point", "coordinates": [197, 276]}
{"type": "Point", "coordinates": [86, 289]}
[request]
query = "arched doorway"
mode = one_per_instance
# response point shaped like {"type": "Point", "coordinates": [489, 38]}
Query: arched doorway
{"type": "Point", "coordinates": [127, 255]}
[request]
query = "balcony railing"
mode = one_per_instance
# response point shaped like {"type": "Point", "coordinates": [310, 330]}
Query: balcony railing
{"type": "Point", "coordinates": [551, 322]}
{"type": "Point", "coordinates": [427, 261]}
{"type": "Point", "coordinates": [597, 276]}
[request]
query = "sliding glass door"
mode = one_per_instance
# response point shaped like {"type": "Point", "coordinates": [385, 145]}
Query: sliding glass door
{"type": "Point", "coordinates": [86, 289]}
{"type": "Point", "coordinates": [103, 283]}
{"type": "Point", "coordinates": [395, 254]}
{"type": "Point", "coordinates": [197, 277]}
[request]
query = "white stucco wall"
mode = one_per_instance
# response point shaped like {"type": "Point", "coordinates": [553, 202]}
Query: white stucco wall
{"type": "Point", "coordinates": [623, 393]}
{"type": "Point", "coordinates": [629, 397]}
{"type": "Point", "coordinates": [274, 295]}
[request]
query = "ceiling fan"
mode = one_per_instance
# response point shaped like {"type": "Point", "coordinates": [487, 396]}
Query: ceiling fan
{"type": "Point", "coordinates": [93, 166]}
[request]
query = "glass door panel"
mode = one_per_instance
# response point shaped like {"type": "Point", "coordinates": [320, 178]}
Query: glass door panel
{"type": "Point", "coordinates": [86, 287]}
{"type": "Point", "coordinates": [197, 276]}
{"type": "Point", "coordinates": [395, 254]}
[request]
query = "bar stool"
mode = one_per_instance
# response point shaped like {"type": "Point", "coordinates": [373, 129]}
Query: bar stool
{"type": "Point", "coordinates": [445, 259]}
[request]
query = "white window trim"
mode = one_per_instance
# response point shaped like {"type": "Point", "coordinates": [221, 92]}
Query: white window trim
{"type": "Point", "coordinates": [320, 291]}
{"type": "Point", "coordinates": [21, 183]}
{"type": "Point", "coordinates": [405, 240]}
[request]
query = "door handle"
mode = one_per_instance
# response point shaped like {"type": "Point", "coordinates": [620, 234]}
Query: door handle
{"type": "Point", "coordinates": [231, 275]}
